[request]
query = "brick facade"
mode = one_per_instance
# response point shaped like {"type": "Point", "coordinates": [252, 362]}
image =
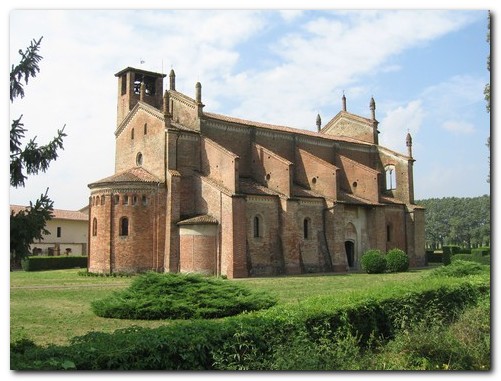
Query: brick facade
{"type": "Point", "coordinates": [202, 192]}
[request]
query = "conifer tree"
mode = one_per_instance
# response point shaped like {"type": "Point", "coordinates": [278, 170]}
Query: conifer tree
{"type": "Point", "coordinates": [28, 225]}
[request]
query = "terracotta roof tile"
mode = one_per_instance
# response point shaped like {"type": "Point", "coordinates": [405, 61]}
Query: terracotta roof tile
{"type": "Point", "coordinates": [61, 214]}
{"type": "Point", "coordinates": [136, 174]}
{"type": "Point", "coordinates": [291, 130]}
{"type": "Point", "coordinates": [204, 219]}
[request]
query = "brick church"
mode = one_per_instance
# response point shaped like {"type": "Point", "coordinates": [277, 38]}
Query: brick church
{"type": "Point", "coordinates": [195, 191]}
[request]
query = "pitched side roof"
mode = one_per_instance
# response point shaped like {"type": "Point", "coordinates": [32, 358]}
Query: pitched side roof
{"type": "Point", "coordinates": [204, 219]}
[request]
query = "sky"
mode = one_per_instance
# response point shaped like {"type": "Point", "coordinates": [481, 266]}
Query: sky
{"type": "Point", "coordinates": [426, 70]}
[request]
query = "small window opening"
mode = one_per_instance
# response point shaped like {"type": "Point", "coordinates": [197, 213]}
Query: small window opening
{"type": "Point", "coordinates": [116, 199]}
{"type": "Point", "coordinates": [145, 128]}
{"type": "Point", "coordinates": [306, 228]}
{"type": "Point", "coordinates": [145, 200]}
{"type": "Point", "coordinates": [59, 232]}
{"type": "Point", "coordinates": [124, 226]}
{"type": "Point", "coordinates": [134, 200]}
{"type": "Point", "coordinates": [132, 134]}
{"type": "Point", "coordinates": [94, 227]}
{"type": "Point", "coordinates": [139, 159]}
{"type": "Point", "coordinates": [124, 84]}
{"type": "Point", "coordinates": [126, 200]}
{"type": "Point", "coordinates": [391, 181]}
{"type": "Point", "coordinates": [257, 227]}
{"type": "Point", "coordinates": [103, 201]}
{"type": "Point", "coordinates": [149, 84]}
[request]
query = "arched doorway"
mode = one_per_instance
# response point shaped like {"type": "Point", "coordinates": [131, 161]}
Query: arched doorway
{"type": "Point", "coordinates": [349, 247]}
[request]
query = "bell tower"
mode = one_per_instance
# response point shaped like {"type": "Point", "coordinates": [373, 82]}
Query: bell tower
{"type": "Point", "coordinates": [130, 82]}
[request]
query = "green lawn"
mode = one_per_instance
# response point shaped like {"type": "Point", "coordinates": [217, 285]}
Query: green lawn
{"type": "Point", "coordinates": [54, 306]}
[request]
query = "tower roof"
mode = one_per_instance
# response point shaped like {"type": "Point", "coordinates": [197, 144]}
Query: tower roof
{"type": "Point", "coordinates": [141, 71]}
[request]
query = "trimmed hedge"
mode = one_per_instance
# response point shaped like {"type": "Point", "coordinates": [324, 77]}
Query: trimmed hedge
{"type": "Point", "coordinates": [250, 341]}
{"type": "Point", "coordinates": [481, 251]}
{"type": "Point", "coordinates": [484, 260]}
{"type": "Point", "coordinates": [39, 263]}
{"type": "Point", "coordinates": [432, 257]}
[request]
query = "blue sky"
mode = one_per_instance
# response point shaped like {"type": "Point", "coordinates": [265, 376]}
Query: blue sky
{"type": "Point", "coordinates": [425, 69]}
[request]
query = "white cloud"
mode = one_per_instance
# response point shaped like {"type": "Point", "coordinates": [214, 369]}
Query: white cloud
{"type": "Point", "coordinates": [398, 122]}
{"type": "Point", "coordinates": [458, 126]}
{"type": "Point", "coordinates": [290, 15]}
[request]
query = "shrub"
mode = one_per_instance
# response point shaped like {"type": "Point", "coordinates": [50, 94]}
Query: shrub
{"type": "Point", "coordinates": [459, 268]}
{"type": "Point", "coordinates": [154, 296]}
{"type": "Point", "coordinates": [432, 257]}
{"type": "Point", "coordinates": [481, 251]}
{"type": "Point", "coordinates": [397, 261]}
{"type": "Point", "coordinates": [373, 262]}
{"type": "Point", "coordinates": [39, 263]}
{"type": "Point", "coordinates": [483, 260]}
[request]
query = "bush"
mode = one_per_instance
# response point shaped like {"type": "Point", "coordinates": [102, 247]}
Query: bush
{"type": "Point", "coordinates": [373, 262]}
{"type": "Point", "coordinates": [459, 268]}
{"type": "Point", "coordinates": [483, 260]}
{"type": "Point", "coordinates": [481, 251]}
{"type": "Point", "coordinates": [432, 257]}
{"type": "Point", "coordinates": [154, 296]}
{"type": "Point", "coordinates": [39, 263]}
{"type": "Point", "coordinates": [397, 261]}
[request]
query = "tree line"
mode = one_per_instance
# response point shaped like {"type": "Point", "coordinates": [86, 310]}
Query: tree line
{"type": "Point", "coordinates": [463, 221]}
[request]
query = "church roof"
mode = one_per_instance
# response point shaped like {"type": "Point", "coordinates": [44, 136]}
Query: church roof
{"type": "Point", "coordinates": [204, 219]}
{"type": "Point", "coordinates": [132, 175]}
{"type": "Point", "coordinates": [291, 130]}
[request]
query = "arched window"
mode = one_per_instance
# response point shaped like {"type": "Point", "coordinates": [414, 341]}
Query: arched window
{"type": "Point", "coordinates": [139, 159]}
{"type": "Point", "coordinates": [94, 226]}
{"type": "Point", "coordinates": [391, 179]}
{"type": "Point", "coordinates": [124, 226]}
{"type": "Point", "coordinates": [306, 228]}
{"type": "Point", "coordinates": [102, 200]}
{"type": "Point", "coordinates": [258, 227]}
{"type": "Point", "coordinates": [144, 200]}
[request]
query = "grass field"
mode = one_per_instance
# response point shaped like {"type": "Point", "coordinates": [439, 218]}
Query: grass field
{"type": "Point", "coordinates": [54, 306]}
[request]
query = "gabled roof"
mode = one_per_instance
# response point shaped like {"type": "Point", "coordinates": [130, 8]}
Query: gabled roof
{"type": "Point", "coordinates": [132, 175]}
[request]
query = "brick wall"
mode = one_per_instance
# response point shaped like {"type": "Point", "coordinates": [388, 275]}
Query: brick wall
{"type": "Point", "coordinates": [272, 170]}
{"type": "Point", "coordinates": [358, 179]}
{"type": "Point", "coordinates": [219, 164]}
{"type": "Point", "coordinates": [316, 174]}
{"type": "Point", "coordinates": [151, 145]}
{"type": "Point", "coordinates": [264, 240]}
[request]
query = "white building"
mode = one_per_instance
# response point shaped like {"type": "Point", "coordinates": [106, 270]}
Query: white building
{"type": "Point", "coordinates": [68, 233]}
